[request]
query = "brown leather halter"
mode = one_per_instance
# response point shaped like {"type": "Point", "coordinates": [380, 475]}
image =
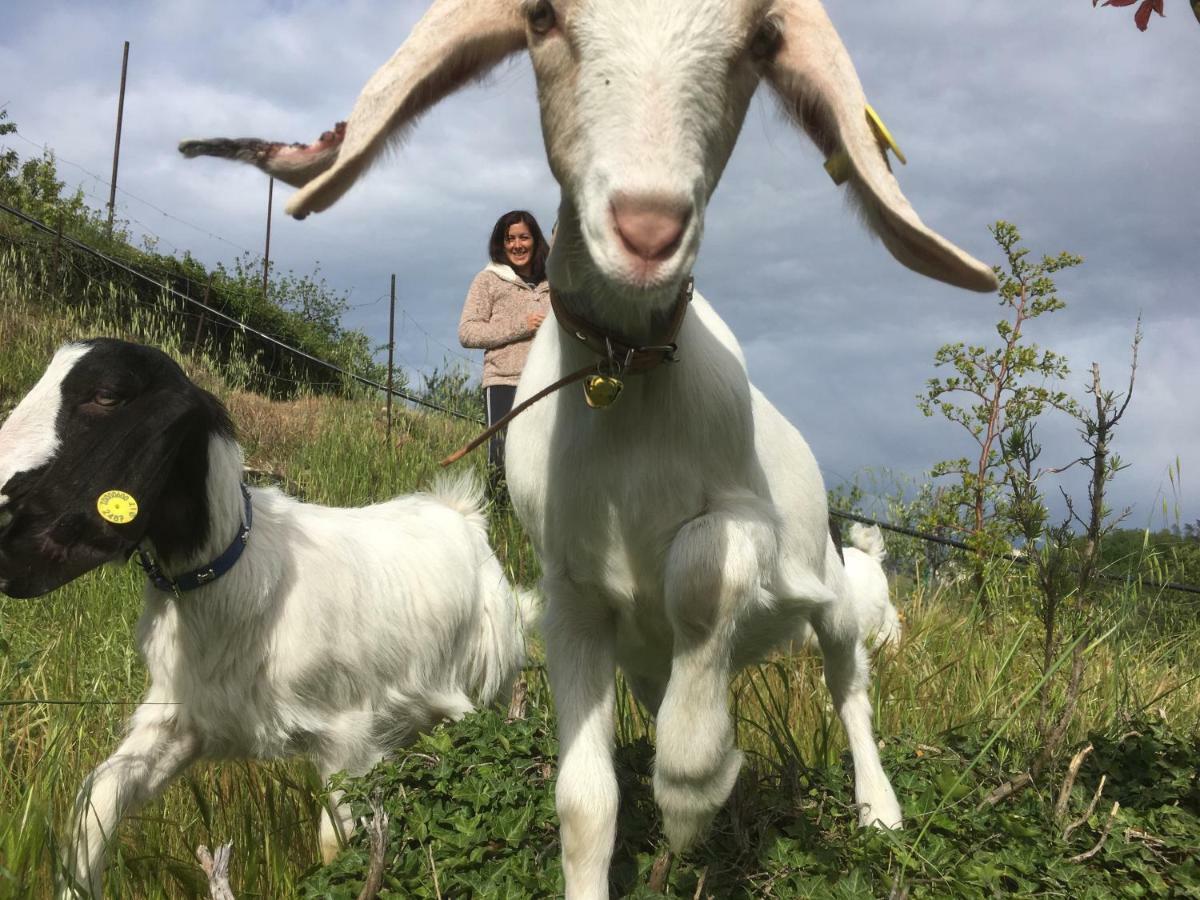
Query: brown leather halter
{"type": "Point", "coordinates": [618, 357]}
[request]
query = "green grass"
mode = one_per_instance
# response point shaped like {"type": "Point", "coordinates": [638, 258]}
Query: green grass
{"type": "Point", "coordinates": [954, 706]}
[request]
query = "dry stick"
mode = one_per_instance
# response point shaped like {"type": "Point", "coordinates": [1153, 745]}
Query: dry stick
{"type": "Point", "coordinates": [1052, 741]}
{"type": "Point", "coordinates": [1088, 854]}
{"type": "Point", "coordinates": [1064, 793]}
{"type": "Point", "coordinates": [660, 872]}
{"type": "Point", "coordinates": [1074, 686]}
{"type": "Point", "coordinates": [700, 883]}
{"type": "Point", "coordinates": [1154, 844]}
{"type": "Point", "coordinates": [217, 870]}
{"type": "Point", "coordinates": [1091, 809]}
{"type": "Point", "coordinates": [433, 868]}
{"type": "Point", "coordinates": [1007, 789]}
{"type": "Point", "coordinates": [520, 700]}
{"type": "Point", "coordinates": [377, 834]}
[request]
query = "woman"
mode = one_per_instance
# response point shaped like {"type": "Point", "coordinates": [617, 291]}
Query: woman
{"type": "Point", "coordinates": [505, 304]}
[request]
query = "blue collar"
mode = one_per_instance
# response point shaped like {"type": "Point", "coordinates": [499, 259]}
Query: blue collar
{"type": "Point", "coordinates": [196, 578]}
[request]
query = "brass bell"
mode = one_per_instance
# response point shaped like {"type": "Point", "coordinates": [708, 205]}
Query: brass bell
{"type": "Point", "coordinates": [602, 391]}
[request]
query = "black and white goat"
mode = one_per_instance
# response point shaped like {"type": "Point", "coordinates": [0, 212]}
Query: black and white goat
{"type": "Point", "coordinates": [337, 633]}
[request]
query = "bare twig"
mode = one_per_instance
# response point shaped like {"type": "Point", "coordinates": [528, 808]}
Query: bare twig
{"type": "Point", "coordinates": [1064, 793]}
{"type": "Point", "coordinates": [899, 891]}
{"type": "Point", "coordinates": [700, 884]}
{"type": "Point", "coordinates": [660, 872]}
{"type": "Point", "coordinates": [1055, 738]}
{"type": "Point", "coordinates": [437, 890]}
{"type": "Point", "coordinates": [1088, 812]}
{"type": "Point", "coordinates": [1006, 790]}
{"type": "Point", "coordinates": [1153, 844]}
{"type": "Point", "coordinates": [377, 835]}
{"type": "Point", "coordinates": [1088, 854]}
{"type": "Point", "coordinates": [216, 868]}
{"type": "Point", "coordinates": [518, 705]}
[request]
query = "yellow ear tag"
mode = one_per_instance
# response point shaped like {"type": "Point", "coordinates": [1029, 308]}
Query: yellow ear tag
{"type": "Point", "coordinates": [838, 165]}
{"type": "Point", "coordinates": [886, 141]}
{"type": "Point", "coordinates": [117, 507]}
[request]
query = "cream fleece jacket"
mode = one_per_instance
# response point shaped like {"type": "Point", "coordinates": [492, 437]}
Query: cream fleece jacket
{"type": "Point", "coordinates": [493, 319]}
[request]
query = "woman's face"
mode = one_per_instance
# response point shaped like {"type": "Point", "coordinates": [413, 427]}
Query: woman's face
{"type": "Point", "coordinates": [518, 247]}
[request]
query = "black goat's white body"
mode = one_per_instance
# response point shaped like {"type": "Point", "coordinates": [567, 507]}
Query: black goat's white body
{"type": "Point", "coordinates": [338, 633]}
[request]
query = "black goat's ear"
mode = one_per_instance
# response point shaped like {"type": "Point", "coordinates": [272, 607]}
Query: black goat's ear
{"type": "Point", "coordinates": [174, 475]}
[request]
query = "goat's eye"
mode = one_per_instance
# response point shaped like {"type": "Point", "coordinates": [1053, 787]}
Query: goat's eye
{"type": "Point", "coordinates": [541, 17]}
{"type": "Point", "coordinates": [767, 40]}
{"type": "Point", "coordinates": [106, 399]}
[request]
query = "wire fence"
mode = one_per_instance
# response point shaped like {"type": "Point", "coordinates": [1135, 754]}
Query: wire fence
{"type": "Point", "coordinates": [219, 315]}
{"type": "Point", "coordinates": [1020, 559]}
{"type": "Point", "coordinates": [423, 402]}
{"type": "Point", "coordinates": [209, 310]}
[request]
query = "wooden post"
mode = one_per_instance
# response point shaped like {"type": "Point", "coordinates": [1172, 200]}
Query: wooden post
{"type": "Point", "coordinates": [112, 188]}
{"type": "Point", "coordinates": [58, 256]}
{"type": "Point", "coordinates": [391, 353]}
{"type": "Point", "coordinates": [203, 312]}
{"type": "Point", "coordinates": [267, 250]}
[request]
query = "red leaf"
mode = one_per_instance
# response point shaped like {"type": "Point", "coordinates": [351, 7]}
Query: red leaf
{"type": "Point", "coordinates": [1119, 2]}
{"type": "Point", "coordinates": [1142, 17]}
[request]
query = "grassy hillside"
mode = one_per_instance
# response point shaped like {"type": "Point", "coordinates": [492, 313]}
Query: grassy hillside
{"type": "Point", "coordinates": [471, 810]}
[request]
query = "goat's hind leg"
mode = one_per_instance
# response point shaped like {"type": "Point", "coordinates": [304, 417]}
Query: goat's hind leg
{"type": "Point", "coordinates": [355, 744]}
{"type": "Point", "coordinates": [847, 675]}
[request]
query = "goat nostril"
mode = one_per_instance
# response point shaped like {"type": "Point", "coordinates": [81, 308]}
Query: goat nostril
{"type": "Point", "coordinates": [650, 226]}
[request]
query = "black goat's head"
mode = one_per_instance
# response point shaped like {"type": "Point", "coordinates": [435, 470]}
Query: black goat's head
{"type": "Point", "coordinates": [107, 418]}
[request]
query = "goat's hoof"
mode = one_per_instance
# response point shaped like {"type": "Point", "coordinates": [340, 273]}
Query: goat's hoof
{"type": "Point", "coordinates": [889, 817]}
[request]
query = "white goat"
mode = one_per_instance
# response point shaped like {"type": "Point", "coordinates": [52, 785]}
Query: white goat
{"type": "Point", "coordinates": [683, 531]}
{"type": "Point", "coordinates": [867, 590]}
{"type": "Point", "coordinates": [338, 633]}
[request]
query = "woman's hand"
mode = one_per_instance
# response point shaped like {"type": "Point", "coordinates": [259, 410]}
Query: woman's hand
{"type": "Point", "coordinates": [534, 320]}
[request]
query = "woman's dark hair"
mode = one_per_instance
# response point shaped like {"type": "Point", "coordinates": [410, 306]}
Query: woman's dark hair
{"type": "Point", "coordinates": [540, 250]}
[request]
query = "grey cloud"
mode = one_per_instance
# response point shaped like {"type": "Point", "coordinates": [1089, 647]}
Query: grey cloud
{"type": "Point", "coordinates": [1061, 118]}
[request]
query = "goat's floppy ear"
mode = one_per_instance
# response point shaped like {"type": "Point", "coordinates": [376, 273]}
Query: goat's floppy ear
{"type": "Point", "coordinates": [456, 41]}
{"type": "Point", "coordinates": [818, 86]}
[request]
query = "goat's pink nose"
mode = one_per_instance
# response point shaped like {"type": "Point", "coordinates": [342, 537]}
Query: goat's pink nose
{"type": "Point", "coordinates": [650, 225]}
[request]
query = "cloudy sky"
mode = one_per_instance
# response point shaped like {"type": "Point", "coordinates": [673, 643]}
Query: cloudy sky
{"type": "Point", "coordinates": [1061, 118]}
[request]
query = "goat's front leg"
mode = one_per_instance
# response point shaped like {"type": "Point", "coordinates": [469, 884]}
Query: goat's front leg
{"type": "Point", "coordinates": [714, 575]}
{"type": "Point", "coordinates": [155, 751]}
{"type": "Point", "coordinates": [580, 641]}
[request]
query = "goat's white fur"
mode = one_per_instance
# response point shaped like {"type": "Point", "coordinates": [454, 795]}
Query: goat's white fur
{"type": "Point", "coordinates": [683, 532]}
{"type": "Point", "coordinates": [30, 438]}
{"type": "Point", "coordinates": [339, 634]}
{"type": "Point", "coordinates": [878, 621]}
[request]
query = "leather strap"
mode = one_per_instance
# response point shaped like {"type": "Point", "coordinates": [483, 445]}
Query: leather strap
{"type": "Point", "coordinates": [198, 578]}
{"type": "Point", "coordinates": [618, 357]}
{"type": "Point", "coordinates": [613, 348]}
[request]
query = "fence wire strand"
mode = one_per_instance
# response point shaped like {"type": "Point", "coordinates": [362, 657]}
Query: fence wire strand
{"type": "Point", "coordinates": [242, 326]}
